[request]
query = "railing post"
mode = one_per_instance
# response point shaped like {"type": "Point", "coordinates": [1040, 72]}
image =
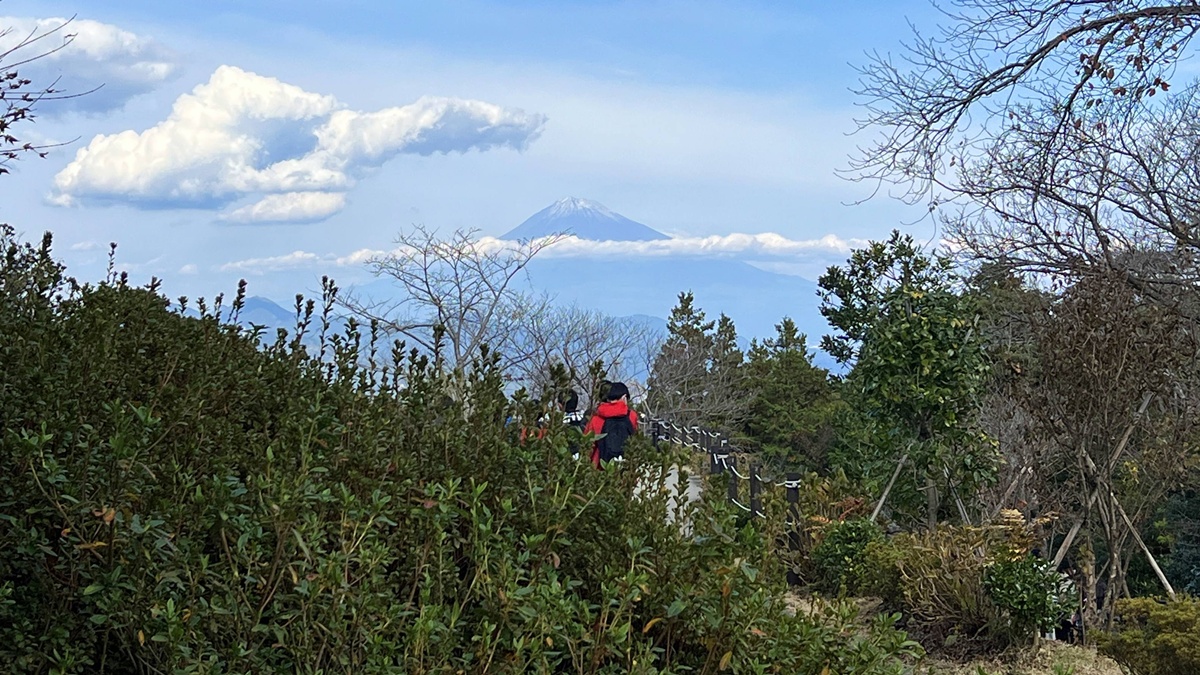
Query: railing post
{"type": "Point", "coordinates": [793, 522]}
{"type": "Point", "coordinates": [755, 491]}
{"type": "Point", "coordinates": [731, 462]}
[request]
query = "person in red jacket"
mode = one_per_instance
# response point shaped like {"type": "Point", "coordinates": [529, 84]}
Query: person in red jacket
{"type": "Point", "coordinates": [613, 423]}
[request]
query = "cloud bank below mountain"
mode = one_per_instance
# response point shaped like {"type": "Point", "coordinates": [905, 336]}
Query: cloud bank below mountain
{"type": "Point", "coordinates": [766, 247]}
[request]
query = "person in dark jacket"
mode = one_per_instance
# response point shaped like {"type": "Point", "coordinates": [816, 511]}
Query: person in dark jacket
{"type": "Point", "coordinates": [613, 422]}
{"type": "Point", "coordinates": [567, 402]}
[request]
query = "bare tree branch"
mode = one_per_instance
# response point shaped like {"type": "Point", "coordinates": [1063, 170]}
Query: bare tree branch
{"type": "Point", "coordinates": [947, 95]}
{"type": "Point", "coordinates": [467, 294]}
{"type": "Point", "coordinates": [19, 96]}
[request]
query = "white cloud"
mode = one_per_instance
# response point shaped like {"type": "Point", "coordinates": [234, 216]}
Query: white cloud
{"type": "Point", "coordinates": [766, 245]}
{"type": "Point", "coordinates": [189, 269]}
{"type": "Point", "coordinates": [295, 207]}
{"type": "Point", "coordinates": [85, 246]}
{"type": "Point", "coordinates": [773, 250]}
{"type": "Point", "coordinates": [293, 260]}
{"type": "Point", "coordinates": [359, 257]}
{"type": "Point", "coordinates": [79, 55]}
{"type": "Point", "coordinates": [244, 135]}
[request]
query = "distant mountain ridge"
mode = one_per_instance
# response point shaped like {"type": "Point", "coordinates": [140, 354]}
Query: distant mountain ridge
{"type": "Point", "coordinates": [638, 287]}
{"type": "Point", "coordinates": [585, 219]}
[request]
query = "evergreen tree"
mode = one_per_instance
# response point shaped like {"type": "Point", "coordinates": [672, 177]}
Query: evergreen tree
{"type": "Point", "coordinates": [697, 377]}
{"type": "Point", "coordinates": [919, 365]}
{"type": "Point", "coordinates": [794, 404]}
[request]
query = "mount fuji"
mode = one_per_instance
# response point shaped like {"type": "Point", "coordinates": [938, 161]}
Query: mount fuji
{"type": "Point", "coordinates": [585, 219]}
{"type": "Point", "coordinates": [756, 299]}
{"type": "Point", "coordinates": [631, 285]}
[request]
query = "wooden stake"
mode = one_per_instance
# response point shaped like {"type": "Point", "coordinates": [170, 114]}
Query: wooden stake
{"type": "Point", "coordinates": [888, 489]}
{"type": "Point", "coordinates": [1066, 545]}
{"type": "Point", "coordinates": [1149, 556]}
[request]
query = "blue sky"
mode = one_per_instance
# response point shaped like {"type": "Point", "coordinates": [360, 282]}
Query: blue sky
{"type": "Point", "coordinates": [304, 131]}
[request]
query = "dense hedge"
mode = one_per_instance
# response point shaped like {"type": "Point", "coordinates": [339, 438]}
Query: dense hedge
{"type": "Point", "coordinates": [1154, 637]}
{"type": "Point", "coordinates": [176, 497]}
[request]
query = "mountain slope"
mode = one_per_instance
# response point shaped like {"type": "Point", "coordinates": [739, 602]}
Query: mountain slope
{"type": "Point", "coordinates": [585, 219]}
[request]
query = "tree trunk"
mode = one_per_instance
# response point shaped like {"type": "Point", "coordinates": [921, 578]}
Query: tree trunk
{"type": "Point", "coordinates": [1110, 588]}
{"type": "Point", "coordinates": [1088, 609]}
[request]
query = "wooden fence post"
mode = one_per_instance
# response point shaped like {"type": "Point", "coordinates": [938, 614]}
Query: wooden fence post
{"type": "Point", "coordinates": [793, 522]}
{"type": "Point", "coordinates": [755, 491]}
{"type": "Point", "coordinates": [733, 479]}
{"type": "Point", "coordinates": [718, 466]}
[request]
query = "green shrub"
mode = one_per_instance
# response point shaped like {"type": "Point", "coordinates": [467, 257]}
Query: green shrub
{"type": "Point", "coordinates": [822, 500]}
{"type": "Point", "coordinates": [880, 573]}
{"type": "Point", "coordinates": [974, 589]}
{"type": "Point", "coordinates": [178, 497]}
{"type": "Point", "coordinates": [838, 560]}
{"type": "Point", "coordinates": [1153, 637]}
{"type": "Point", "coordinates": [1030, 593]}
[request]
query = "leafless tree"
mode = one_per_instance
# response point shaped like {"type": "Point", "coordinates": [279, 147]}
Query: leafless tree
{"type": "Point", "coordinates": [1047, 134]}
{"type": "Point", "coordinates": [458, 290]}
{"type": "Point", "coordinates": [1121, 198]}
{"type": "Point", "coordinates": [20, 95]}
{"type": "Point", "coordinates": [952, 90]}
{"type": "Point", "coordinates": [1114, 403]}
{"type": "Point", "coordinates": [468, 293]}
{"type": "Point", "coordinates": [577, 339]}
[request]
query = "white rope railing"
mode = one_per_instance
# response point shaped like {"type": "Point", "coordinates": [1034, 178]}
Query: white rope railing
{"type": "Point", "coordinates": [721, 455]}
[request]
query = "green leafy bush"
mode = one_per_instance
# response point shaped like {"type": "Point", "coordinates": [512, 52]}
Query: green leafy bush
{"type": "Point", "coordinates": [838, 560]}
{"type": "Point", "coordinates": [179, 496]}
{"type": "Point", "coordinates": [880, 573]}
{"type": "Point", "coordinates": [822, 500]}
{"type": "Point", "coordinates": [971, 589]}
{"type": "Point", "coordinates": [1153, 637]}
{"type": "Point", "coordinates": [1030, 593]}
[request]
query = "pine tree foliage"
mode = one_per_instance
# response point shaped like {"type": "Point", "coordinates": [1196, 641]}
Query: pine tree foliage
{"type": "Point", "coordinates": [698, 376]}
{"type": "Point", "coordinates": [792, 412]}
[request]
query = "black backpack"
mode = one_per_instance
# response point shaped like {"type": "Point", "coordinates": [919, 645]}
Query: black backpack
{"type": "Point", "coordinates": [612, 443]}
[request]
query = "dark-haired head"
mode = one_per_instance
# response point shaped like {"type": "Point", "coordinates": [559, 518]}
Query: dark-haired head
{"type": "Point", "coordinates": [569, 400]}
{"type": "Point", "coordinates": [616, 391]}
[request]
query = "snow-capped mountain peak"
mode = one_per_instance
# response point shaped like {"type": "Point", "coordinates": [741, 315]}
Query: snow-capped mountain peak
{"type": "Point", "coordinates": [585, 219]}
{"type": "Point", "coordinates": [571, 205]}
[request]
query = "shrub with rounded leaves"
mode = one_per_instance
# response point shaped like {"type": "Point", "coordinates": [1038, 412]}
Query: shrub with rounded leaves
{"type": "Point", "coordinates": [1155, 637]}
{"type": "Point", "coordinates": [1030, 593]}
{"type": "Point", "coordinates": [838, 560]}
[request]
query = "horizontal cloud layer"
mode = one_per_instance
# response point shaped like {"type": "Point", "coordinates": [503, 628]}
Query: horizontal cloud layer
{"type": "Point", "coordinates": [293, 153]}
{"type": "Point", "coordinates": [79, 55]}
{"type": "Point", "coordinates": [767, 244]}
{"type": "Point", "coordinates": [766, 247]}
